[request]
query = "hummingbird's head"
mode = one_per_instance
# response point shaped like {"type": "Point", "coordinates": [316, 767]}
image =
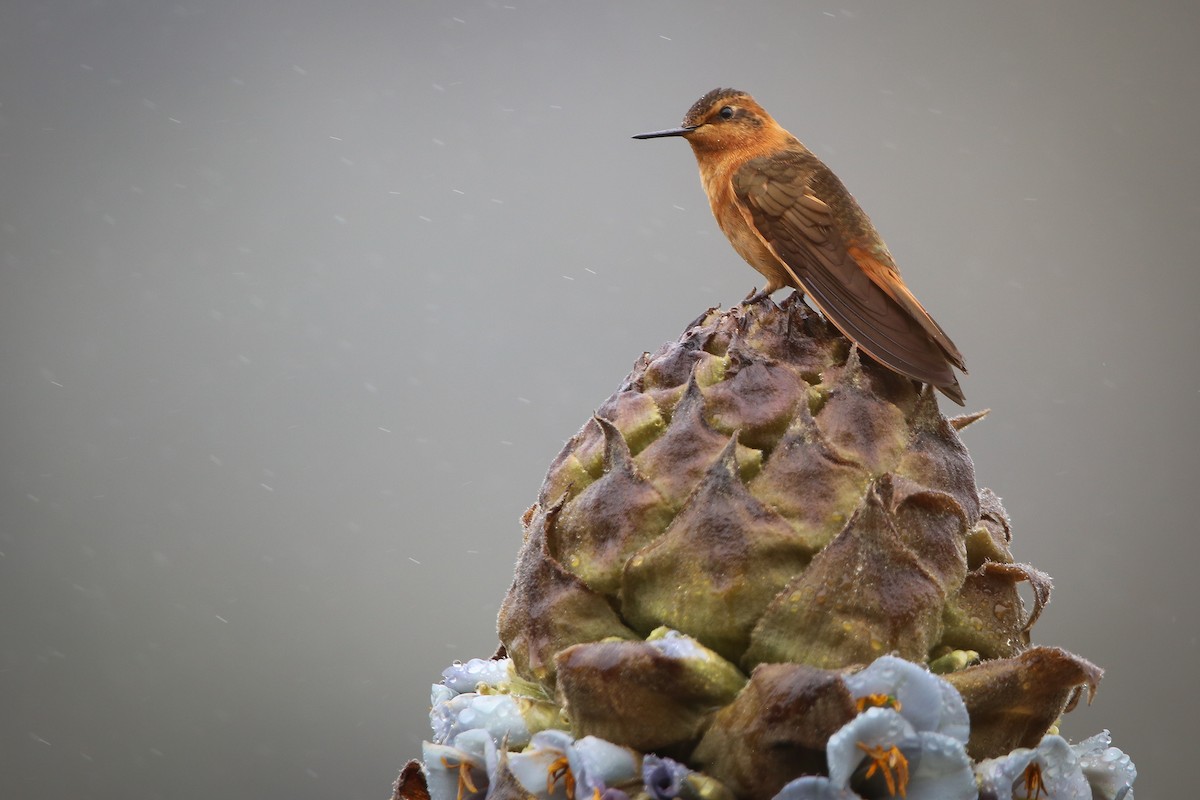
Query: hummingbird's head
{"type": "Point", "coordinates": [723, 119]}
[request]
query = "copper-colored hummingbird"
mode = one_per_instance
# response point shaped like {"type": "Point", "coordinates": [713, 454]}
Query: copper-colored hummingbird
{"type": "Point", "coordinates": [790, 217]}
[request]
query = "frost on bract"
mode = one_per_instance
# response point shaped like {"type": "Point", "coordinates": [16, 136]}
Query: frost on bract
{"type": "Point", "coordinates": [733, 583]}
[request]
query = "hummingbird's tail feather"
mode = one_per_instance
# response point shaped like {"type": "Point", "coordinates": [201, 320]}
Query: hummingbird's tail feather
{"type": "Point", "coordinates": [954, 392]}
{"type": "Point", "coordinates": [889, 335]}
{"type": "Point", "coordinates": [888, 280]}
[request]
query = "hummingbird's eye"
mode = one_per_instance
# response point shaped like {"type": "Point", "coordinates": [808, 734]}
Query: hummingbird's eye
{"type": "Point", "coordinates": [727, 112]}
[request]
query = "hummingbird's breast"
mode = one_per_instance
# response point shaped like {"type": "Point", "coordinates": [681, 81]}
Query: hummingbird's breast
{"type": "Point", "coordinates": [727, 209]}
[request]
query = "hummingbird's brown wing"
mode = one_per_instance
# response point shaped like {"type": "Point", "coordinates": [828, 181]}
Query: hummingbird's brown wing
{"type": "Point", "coordinates": [777, 198]}
{"type": "Point", "coordinates": [887, 277]}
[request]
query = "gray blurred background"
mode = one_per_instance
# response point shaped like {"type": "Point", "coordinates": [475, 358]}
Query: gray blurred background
{"type": "Point", "coordinates": [298, 300]}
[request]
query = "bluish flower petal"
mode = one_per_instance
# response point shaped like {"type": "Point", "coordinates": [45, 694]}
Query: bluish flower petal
{"type": "Point", "coordinates": [551, 740]}
{"type": "Point", "coordinates": [440, 693]}
{"type": "Point", "coordinates": [875, 727]}
{"type": "Point", "coordinates": [1056, 765]}
{"type": "Point", "coordinates": [554, 760]}
{"type": "Point", "coordinates": [443, 719]}
{"type": "Point", "coordinates": [955, 721]}
{"type": "Point", "coordinates": [997, 775]}
{"type": "Point", "coordinates": [933, 766]}
{"type": "Point", "coordinates": [597, 763]}
{"type": "Point", "coordinates": [927, 701]}
{"type": "Point", "coordinates": [941, 770]}
{"type": "Point", "coordinates": [1061, 770]}
{"type": "Point", "coordinates": [532, 767]}
{"type": "Point", "coordinates": [477, 744]}
{"type": "Point", "coordinates": [814, 787]}
{"type": "Point", "coordinates": [663, 777]}
{"type": "Point", "coordinates": [467, 677]}
{"type": "Point", "coordinates": [445, 768]}
{"type": "Point", "coordinates": [498, 714]}
{"type": "Point", "coordinates": [1108, 770]}
{"type": "Point", "coordinates": [611, 793]}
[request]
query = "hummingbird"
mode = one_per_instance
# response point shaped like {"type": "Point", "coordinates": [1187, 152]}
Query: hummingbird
{"type": "Point", "coordinates": [790, 217]}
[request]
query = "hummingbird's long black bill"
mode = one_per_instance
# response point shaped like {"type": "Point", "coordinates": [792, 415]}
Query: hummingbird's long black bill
{"type": "Point", "coordinates": [668, 132]}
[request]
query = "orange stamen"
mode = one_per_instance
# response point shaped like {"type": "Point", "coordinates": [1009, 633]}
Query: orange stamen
{"type": "Point", "coordinates": [891, 763]}
{"type": "Point", "coordinates": [561, 768]}
{"type": "Point", "coordinates": [876, 700]}
{"type": "Point", "coordinates": [1035, 787]}
{"type": "Point", "coordinates": [464, 776]}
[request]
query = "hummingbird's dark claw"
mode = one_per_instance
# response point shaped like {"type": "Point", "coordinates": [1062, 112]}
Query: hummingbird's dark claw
{"type": "Point", "coordinates": [755, 296]}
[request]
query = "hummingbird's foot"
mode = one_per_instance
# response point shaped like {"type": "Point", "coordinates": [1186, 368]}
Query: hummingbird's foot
{"type": "Point", "coordinates": [756, 296]}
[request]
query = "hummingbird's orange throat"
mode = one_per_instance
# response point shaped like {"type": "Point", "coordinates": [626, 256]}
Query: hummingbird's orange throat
{"type": "Point", "coordinates": [789, 217]}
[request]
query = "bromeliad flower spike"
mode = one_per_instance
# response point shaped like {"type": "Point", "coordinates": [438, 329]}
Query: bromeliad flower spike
{"type": "Point", "coordinates": [763, 569]}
